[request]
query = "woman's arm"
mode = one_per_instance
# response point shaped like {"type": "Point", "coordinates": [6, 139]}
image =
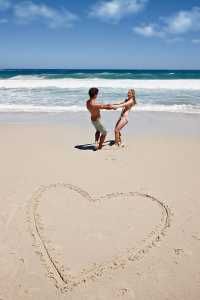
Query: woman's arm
{"type": "Point", "coordinates": [119, 103]}
{"type": "Point", "coordinates": [124, 104]}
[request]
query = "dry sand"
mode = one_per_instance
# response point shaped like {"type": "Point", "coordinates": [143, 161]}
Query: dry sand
{"type": "Point", "coordinates": [116, 224]}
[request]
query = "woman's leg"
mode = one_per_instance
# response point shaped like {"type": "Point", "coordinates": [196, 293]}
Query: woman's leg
{"type": "Point", "coordinates": [120, 124]}
{"type": "Point", "coordinates": [120, 139]}
{"type": "Point", "coordinates": [117, 138]}
{"type": "Point", "coordinates": [117, 133]}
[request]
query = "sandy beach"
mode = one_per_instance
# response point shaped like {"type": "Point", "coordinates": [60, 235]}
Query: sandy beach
{"type": "Point", "coordinates": [113, 224]}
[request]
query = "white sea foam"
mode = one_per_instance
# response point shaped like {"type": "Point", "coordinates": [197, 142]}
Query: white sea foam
{"type": "Point", "coordinates": [182, 108]}
{"type": "Point", "coordinates": [27, 77]}
{"type": "Point", "coordinates": [32, 82]}
{"type": "Point", "coordinates": [75, 108]}
{"type": "Point", "coordinates": [39, 108]}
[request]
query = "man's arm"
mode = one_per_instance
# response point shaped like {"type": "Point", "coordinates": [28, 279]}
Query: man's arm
{"type": "Point", "coordinates": [102, 106]}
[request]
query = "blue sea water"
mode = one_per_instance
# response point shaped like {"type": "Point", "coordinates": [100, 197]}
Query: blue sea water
{"type": "Point", "coordinates": [56, 90]}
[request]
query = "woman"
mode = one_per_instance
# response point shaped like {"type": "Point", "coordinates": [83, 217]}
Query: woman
{"type": "Point", "coordinates": [123, 120]}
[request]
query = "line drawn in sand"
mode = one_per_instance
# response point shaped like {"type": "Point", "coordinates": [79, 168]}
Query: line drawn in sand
{"type": "Point", "coordinates": [64, 281]}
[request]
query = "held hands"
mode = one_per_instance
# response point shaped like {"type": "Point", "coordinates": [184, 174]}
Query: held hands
{"type": "Point", "coordinates": [110, 107]}
{"type": "Point", "coordinates": [115, 106]}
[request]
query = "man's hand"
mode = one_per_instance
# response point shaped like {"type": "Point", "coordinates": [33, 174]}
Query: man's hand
{"type": "Point", "coordinates": [109, 106]}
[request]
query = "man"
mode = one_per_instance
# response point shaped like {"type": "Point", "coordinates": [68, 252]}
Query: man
{"type": "Point", "coordinates": [94, 109]}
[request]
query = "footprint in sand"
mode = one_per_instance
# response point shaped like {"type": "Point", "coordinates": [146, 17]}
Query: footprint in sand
{"type": "Point", "coordinates": [126, 294]}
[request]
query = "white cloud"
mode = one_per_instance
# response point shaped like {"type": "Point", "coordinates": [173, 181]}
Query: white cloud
{"type": "Point", "coordinates": [28, 11]}
{"type": "Point", "coordinates": [196, 41]}
{"type": "Point", "coordinates": [4, 4]}
{"type": "Point", "coordinates": [115, 10]}
{"type": "Point", "coordinates": [172, 27]}
{"type": "Point", "coordinates": [184, 21]}
{"type": "Point", "coordinates": [149, 30]}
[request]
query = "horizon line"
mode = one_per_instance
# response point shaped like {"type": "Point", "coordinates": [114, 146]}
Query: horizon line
{"type": "Point", "coordinates": [91, 69]}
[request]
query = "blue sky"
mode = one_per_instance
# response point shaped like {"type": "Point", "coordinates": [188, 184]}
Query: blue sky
{"type": "Point", "coordinates": [100, 34]}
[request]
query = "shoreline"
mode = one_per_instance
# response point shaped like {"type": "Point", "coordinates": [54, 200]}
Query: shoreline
{"type": "Point", "coordinates": [140, 123]}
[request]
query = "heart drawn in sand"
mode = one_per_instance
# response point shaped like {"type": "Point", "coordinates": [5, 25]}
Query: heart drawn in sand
{"type": "Point", "coordinates": [80, 238]}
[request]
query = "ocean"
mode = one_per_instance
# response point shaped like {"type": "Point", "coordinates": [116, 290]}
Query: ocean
{"type": "Point", "coordinates": [56, 90]}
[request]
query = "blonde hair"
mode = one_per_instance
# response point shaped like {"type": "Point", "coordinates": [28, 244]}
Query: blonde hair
{"type": "Point", "coordinates": [134, 98]}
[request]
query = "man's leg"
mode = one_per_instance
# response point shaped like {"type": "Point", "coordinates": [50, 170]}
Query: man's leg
{"type": "Point", "coordinates": [101, 132]}
{"type": "Point", "coordinates": [102, 139]}
{"type": "Point", "coordinates": [97, 136]}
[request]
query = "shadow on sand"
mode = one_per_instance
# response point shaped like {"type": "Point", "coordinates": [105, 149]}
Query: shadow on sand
{"type": "Point", "coordinates": [92, 147]}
